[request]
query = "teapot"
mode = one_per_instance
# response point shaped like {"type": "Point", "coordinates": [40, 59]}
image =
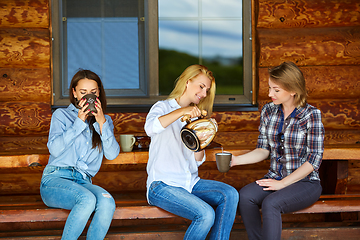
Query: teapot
{"type": "Point", "coordinates": [198, 134]}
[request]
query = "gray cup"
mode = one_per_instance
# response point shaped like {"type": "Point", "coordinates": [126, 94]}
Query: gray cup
{"type": "Point", "coordinates": [223, 161]}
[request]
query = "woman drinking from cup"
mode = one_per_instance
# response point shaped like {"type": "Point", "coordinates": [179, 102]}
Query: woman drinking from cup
{"type": "Point", "coordinates": [173, 183]}
{"type": "Point", "coordinates": [78, 140]}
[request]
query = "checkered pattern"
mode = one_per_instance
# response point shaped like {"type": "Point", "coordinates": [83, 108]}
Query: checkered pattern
{"type": "Point", "coordinates": [304, 139]}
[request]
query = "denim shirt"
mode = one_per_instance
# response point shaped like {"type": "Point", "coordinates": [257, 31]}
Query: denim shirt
{"type": "Point", "coordinates": [169, 160]}
{"type": "Point", "coordinates": [70, 142]}
{"type": "Point", "coordinates": [303, 139]}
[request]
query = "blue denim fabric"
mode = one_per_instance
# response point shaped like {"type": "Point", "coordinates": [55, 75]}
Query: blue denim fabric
{"type": "Point", "coordinates": [64, 187]}
{"type": "Point", "coordinates": [292, 198]}
{"type": "Point", "coordinates": [198, 206]}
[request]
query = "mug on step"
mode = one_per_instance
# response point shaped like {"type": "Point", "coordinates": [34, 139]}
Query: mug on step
{"type": "Point", "coordinates": [127, 142]}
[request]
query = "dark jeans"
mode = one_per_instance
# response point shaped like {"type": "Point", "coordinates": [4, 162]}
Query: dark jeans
{"type": "Point", "coordinates": [295, 197]}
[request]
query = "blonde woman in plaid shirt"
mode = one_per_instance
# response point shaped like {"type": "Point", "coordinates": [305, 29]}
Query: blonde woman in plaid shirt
{"type": "Point", "coordinates": [292, 134]}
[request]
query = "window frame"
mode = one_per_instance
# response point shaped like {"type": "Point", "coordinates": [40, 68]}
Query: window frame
{"type": "Point", "coordinates": [245, 102]}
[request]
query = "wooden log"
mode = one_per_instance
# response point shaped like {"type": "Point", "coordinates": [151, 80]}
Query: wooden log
{"type": "Point", "coordinates": [308, 14]}
{"type": "Point", "coordinates": [25, 48]}
{"type": "Point", "coordinates": [240, 138]}
{"type": "Point", "coordinates": [320, 233]}
{"type": "Point", "coordinates": [128, 122]}
{"type": "Point", "coordinates": [28, 85]}
{"type": "Point", "coordinates": [24, 14]}
{"type": "Point", "coordinates": [227, 121]}
{"type": "Point", "coordinates": [24, 119]}
{"type": "Point", "coordinates": [353, 184]}
{"type": "Point", "coordinates": [336, 114]}
{"type": "Point", "coordinates": [23, 160]}
{"type": "Point", "coordinates": [322, 82]}
{"type": "Point", "coordinates": [23, 145]}
{"type": "Point", "coordinates": [310, 46]}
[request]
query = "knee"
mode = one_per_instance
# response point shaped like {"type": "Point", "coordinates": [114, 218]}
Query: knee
{"type": "Point", "coordinates": [269, 205]}
{"type": "Point", "coordinates": [88, 200]}
{"type": "Point", "coordinates": [206, 217]}
{"type": "Point", "coordinates": [106, 202]}
{"type": "Point", "coordinates": [232, 196]}
{"type": "Point", "coordinates": [245, 196]}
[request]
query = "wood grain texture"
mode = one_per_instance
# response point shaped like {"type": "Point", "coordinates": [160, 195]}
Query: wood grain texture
{"type": "Point", "coordinates": [25, 48]}
{"type": "Point", "coordinates": [310, 46]}
{"type": "Point", "coordinates": [238, 138]}
{"type": "Point", "coordinates": [308, 13]}
{"type": "Point", "coordinates": [128, 122]}
{"type": "Point", "coordinates": [23, 145]}
{"type": "Point", "coordinates": [28, 85]}
{"type": "Point", "coordinates": [24, 119]}
{"type": "Point", "coordinates": [249, 139]}
{"type": "Point", "coordinates": [336, 114]}
{"type": "Point", "coordinates": [322, 82]}
{"type": "Point", "coordinates": [24, 13]}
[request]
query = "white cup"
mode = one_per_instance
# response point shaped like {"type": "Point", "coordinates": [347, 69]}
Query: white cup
{"type": "Point", "coordinates": [127, 142]}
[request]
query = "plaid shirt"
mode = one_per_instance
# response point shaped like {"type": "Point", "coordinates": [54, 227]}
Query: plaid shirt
{"type": "Point", "coordinates": [303, 139]}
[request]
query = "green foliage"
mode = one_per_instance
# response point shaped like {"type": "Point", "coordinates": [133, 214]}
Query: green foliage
{"type": "Point", "coordinates": [173, 63]}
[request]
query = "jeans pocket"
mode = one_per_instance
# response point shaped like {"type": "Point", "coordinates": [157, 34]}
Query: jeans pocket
{"type": "Point", "coordinates": [154, 185]}
{"type": "Point", "coordinates": [49, 170]}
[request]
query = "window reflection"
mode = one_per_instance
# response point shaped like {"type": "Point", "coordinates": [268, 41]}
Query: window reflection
{"type": "Point", "coordinates": [210, 34]}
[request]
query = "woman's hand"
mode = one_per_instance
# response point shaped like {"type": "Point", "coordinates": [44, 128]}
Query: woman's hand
{"type": "Point", "coordinates": [99, 116]}
{"type": "Point", "coordinates": [270, 184]}
{"type": "Point", "coordinates": [192, 111]}
{"type": "Point", "coordinates": [171, 117]}
{"type": "Point", "coordinates": [82, 114]}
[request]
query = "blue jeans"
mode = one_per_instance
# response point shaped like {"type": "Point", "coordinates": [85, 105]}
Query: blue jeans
{"type": "Point", "coordinates": [198, 206]}
{"type": "Point", "coordinates": [65, 187]}
{"type": "Point", "coordinates": [294, 197]}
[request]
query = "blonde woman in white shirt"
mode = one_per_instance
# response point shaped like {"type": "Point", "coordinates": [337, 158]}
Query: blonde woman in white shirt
{"type": "Point", "coordinates": [173, 183]}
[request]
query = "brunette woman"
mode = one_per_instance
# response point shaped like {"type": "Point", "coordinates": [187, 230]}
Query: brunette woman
{"type": "Point", "coordinates": [77, 144]}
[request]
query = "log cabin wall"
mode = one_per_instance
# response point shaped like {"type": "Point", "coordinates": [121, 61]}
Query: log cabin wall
{"type": "Point", "coordinates": [321, 36]}
{"type": "Point", "coordinates": [323, 39]}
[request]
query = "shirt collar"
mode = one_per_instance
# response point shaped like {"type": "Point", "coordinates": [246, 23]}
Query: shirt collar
{"type": "Point", "coordinates": [173, 103]}
{"type": "Point", "coordinates": [297, 113]}
{"type": "Point", "coordinates": [71, 107]}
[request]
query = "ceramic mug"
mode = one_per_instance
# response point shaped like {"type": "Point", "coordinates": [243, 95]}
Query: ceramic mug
{"type": "Point", "coordinates": [127, 142]}
{"type": "Point", "coordinates": [223, 160]}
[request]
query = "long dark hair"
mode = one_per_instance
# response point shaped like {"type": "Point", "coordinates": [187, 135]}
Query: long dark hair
{"type": "Point", "coordinates": [82, 74]}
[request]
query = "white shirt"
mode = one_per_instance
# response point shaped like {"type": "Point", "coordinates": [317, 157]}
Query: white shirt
{"type": "Point", "coordinates": [170, 160]}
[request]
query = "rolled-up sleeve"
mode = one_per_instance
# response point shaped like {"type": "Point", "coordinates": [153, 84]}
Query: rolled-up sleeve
{"type": "Point", "coordinates": [152, 124]}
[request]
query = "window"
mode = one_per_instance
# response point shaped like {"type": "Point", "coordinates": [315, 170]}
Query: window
{"type": "Point", "coordinates": [139, 47]}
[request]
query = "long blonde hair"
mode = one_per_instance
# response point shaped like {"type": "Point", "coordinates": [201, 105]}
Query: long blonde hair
{"type": "Point", "coordinates": [190, 73]}
{"type": "Point", "coordinates": [291, 79]}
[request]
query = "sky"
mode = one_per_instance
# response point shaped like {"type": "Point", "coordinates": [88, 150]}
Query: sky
{"type": "Point", "coordinates": [220, 28]}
